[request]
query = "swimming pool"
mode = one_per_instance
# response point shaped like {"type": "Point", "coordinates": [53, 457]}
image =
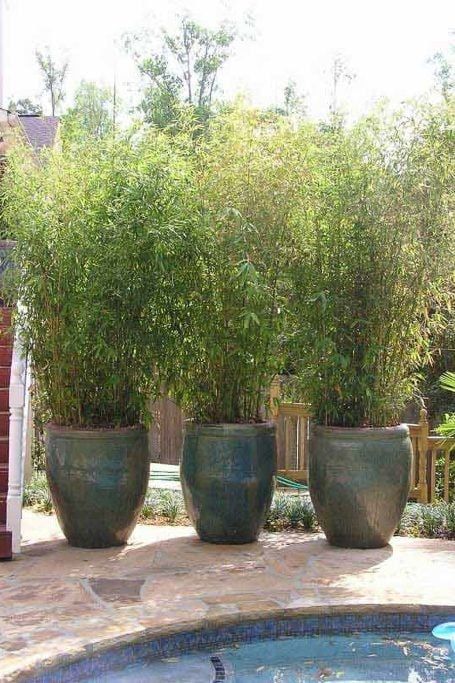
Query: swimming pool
{"type": "Point", "coordinates": [356, 657]}
{"type": "Point", "coordinates": [365, 647]}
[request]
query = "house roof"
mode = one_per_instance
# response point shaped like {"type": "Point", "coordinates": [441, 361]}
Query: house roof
{"type": "Point", "coordinates": [40, 131]}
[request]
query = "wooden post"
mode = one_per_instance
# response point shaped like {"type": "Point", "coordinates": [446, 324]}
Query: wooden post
{"type": "Point", "coordinates": [275, 394]}
{"type": "Point", "coordinates": [423, 445]}
{"type": "Point", "coordinates": [288, 441]}
{"type": "Point", "coordinates": [432, 483]}
{"type": "Point", "coordinates": [301, 436]}
{"type": "Point", "coordinates": [446, 474]}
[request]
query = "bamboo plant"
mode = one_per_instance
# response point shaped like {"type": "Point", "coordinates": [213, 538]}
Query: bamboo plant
{"type": "Point", "coordinates": [107, 261]}
{"type": "Point", "coordinates": [247, 178]}
{"type": "Point", "coordinates": [377, 255]}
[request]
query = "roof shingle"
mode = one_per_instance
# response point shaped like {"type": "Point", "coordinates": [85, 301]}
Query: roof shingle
{"type": "Point", "coordinates": [40, 131]}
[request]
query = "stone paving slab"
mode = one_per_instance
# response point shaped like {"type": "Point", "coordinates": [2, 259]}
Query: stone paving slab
{"type": "Point", "coordinates": [57, 600]}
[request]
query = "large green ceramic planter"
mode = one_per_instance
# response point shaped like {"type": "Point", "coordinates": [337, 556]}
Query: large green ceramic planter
{"type": "Point", "coordinates": [359, 483]}
{"type": "Point", "coordinates": [228, 479]}
{"type": "Point", "coordinates": [98, 480]}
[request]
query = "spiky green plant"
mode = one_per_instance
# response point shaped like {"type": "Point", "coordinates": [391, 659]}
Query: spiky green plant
{"type": "Point", "coordinates": [447, 428]}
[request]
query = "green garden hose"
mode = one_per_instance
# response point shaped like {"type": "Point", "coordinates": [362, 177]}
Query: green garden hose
{"type": "Point", "coordinates": [173, 475]}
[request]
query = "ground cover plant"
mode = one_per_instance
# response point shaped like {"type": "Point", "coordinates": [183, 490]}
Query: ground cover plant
{"type": "Point", "coordinates": [428, 521]}
{"type": "Point", "coordinates": [163, 506]}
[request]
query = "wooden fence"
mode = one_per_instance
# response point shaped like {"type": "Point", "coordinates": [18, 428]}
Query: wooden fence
{"type": "Point", "coordinates": [294, 443]}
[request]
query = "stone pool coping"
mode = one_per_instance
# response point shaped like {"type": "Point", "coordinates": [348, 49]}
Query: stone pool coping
{"type": "Point", "coordinates": [226, 631]}
{"type": "Point", "coordinates": [61, 604]}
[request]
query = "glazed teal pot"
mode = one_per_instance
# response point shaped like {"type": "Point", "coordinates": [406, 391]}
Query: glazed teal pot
{"type": "Point", "coordinates": [98, 480]}
{"type": "Point", "coordinates": [359, 483]}
{"type": "Point", "coordinates": [228, 479]}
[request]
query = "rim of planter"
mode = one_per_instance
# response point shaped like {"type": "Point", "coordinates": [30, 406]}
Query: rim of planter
{"type": "Point", "coordinates": [93, 431]}
{"type": "Point", "coordinates": [397, 431]}
{"type": "Point", "coordinates": [229, 427]}
{"type": "Point", "coordinates": [7, 243]}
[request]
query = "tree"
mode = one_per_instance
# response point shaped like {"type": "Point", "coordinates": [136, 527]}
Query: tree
{"type": "Point", "coordinates": [92, 115]}
{"type": "Point", "coordinates": [53, 76]}
{"type": "Point", "coordinates": [184, 70]}
{"type": "Point", "coordinates": [293, 103]}
{"type": "Point", "coordinates": [444, 72]}
{"type": "Point", "coordinates": [25, 106]}
{"type": "Point", "coordinates": [339, 73]}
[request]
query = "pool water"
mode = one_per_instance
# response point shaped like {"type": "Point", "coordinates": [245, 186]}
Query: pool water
{"type": "Point", "coordinates": [369, 657]}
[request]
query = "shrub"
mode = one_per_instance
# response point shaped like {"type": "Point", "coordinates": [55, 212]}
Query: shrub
{"type": "Point", "coordinates": [171, 506]}
{"type": "Point", "coordinates": [277, 510]}
{"type": "Point", "coordinates": [37, 493]}
{"type": "Point", "coordinates": [439, 401]}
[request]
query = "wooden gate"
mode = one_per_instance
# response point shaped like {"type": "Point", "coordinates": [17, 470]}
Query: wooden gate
{"type": "Point", "coordinates": [166, 432]}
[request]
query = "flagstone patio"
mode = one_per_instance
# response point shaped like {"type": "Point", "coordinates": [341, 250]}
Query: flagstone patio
{"type": "Point", "coordinates": [57, 600]}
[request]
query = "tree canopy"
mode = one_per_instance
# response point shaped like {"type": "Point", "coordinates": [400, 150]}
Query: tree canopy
{"type": "Point", "coordinates": [184, 70]}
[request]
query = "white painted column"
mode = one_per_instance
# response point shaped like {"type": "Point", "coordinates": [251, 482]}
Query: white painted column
{"type": "Point", "coordinates": [17, 395]}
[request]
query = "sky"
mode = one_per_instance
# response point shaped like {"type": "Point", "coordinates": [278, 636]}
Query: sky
{"type": "Point", "coordinates": [385, 43]}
